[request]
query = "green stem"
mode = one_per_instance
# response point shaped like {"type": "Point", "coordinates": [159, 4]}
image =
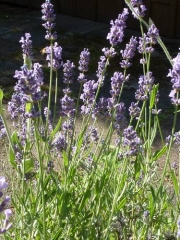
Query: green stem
{"type": "Point", "coordinates": [55, 97]}
{"type": "Point", "coordinates": [170, 144]}
{"type": "Point", "coordinates": [41, 177]}
{"type": "Point", "coordinates": [50, 88]}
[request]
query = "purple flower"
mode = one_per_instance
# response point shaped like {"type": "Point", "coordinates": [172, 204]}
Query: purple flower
{"type": "Point", "coordinates": [147, 41]}
{"type": "Point", "coordinates": [131, 142]}
{"type": "Point", "coordinates": [116, 83]}
{"type": "Point", "coordinates": [101, 107]}
{"type": "Point", "coordinates": [145, 86]}
{"type": "Point", "coordinates": [177, 138]}
{"type": "Point", "coordinates": [67, 105]}
{"type": "Point", "coordinates": [84, 60]}
{"type": "Point", "coordinates": [59, 142]}
{"type": "Point", "coordinates": [119, 121]}
{"type": "Point", "coordinates": [3, 183]}
{"type": "Point", "coordinates": [68, 72]}
{"type": "Point", "coordinates": [26, 45]}
{"type": "Point", "coordinates": [175, 79]}
{"type": "Point", "coordinates": [101, 70]}
{"type": "Point", "coordinates": [16, 106]}
{"type": "Point", "coordinates": [30, 81]}
{"type": "Point", "coordinates": [145, 45]}
{"type": "Point", "coordinates": [49, 17]}
{"type": "Point", "coordinates": [56, 56]}
{"type": "Point", "coordinates": [128, 53]}
{"type": "Point", "coordinates": [139, 8]}
{"type": "Point", "coordinates": [117, 30]}
{"type": "Point", "coordinates": [94, 134]}
{"type": "Point", "coordinates": [153, 34]}
{"type": "Point", "coordinates": [33, 113]}
{"type": "Point", "coordinates": [109, 52]}
{"type": "Point", "coordinates": [88, 96]}
{"type": "Point", "coordinates": [2, 128]}
{"type": "Point", "coordinates": [178, 225]}
{"type": "Point", "coordinates": [134, 110]}
{"type": "Point", "coordinates": [3, 206]}
{"type": "Point", "coordinates": [81, 78]}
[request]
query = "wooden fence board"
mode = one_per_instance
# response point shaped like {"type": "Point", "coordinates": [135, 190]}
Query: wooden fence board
{"type": "Point", "coordinates": [164, 13]}
{"type": "Point", "coordinates": [85, 9]}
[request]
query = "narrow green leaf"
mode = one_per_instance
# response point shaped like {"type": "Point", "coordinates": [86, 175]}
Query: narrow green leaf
{"type": "Point", "coordinates": [1, 95]}
{"type": "Point", "coordinates": [12, 157]}
{"type": "Point", "coordinates": [65, 159]}
{"type": "Point", "coordinates": [29, 165]}
{"type": "Point", "coordinates": [57, 234]}
{"type": "Point", "coordinates": [121, 204]}
{"type": "Point", "coordinates": [153, 95]}
{"type": "Point", "coordinates": [56, 128]}
{"type": "Point", "coordinates": [175, 182]}
{"type": "Point", "coordinates": [85, 198]}
{"type": "Point", "coordinates": [153, 132]}
{"type": "Point", "coordinates": [159, 153]}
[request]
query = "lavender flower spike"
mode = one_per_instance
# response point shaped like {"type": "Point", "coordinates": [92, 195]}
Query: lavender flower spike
{"type": "Point", "coordinates": [178, 226]}
{"type": "Point", "coordinates": [68, 72]}
{"type": "Point", "coordinates": [3, 206]}
{"type": "Point", "coordinates": [49, 17]}
{"type": "Point", "coordinates": [175, 79]}
{"type": "Point", "coordinates": [27, 49]}
{"type": "Point", "coordinates": [117, 30]}
{"type": "Point", "coordinates": [128, 53]}
{"type": "Point", "coordinates": [57, 56]}
{"type": "Point", "coordinates": [84, 60]}
{"type": "Point", "coordinates": [139, 8]}
{"type": "Point", "coordinates": [3, 183]}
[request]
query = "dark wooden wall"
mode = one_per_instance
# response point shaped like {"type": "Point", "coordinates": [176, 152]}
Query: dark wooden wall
{"type": "Point", "coordinates": [164, 13]}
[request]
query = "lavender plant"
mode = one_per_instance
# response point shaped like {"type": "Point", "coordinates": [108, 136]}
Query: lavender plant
{"type": "Point", "coordinates": [94, 182]}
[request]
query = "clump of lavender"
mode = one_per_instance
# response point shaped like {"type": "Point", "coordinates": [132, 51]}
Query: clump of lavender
{"type": "Point", "coordinates": [29, 86]}
{"type": "Point", "coordinates": [48, 17]}
{"type": "Point", "coordinates": [30, 80]}
{"type": "Point", "coordinates": [56, 56]}
{"type": "Point", "coordinates": [128, 53]}
{"type": "Point", "coordinates": [6, 225]}
{"type": "Point", "coordinates": [117, 28]}
{"type": "Point", "coordinates": [175, 79]}
{"type": "Point", "coordinates": [139, 8]}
